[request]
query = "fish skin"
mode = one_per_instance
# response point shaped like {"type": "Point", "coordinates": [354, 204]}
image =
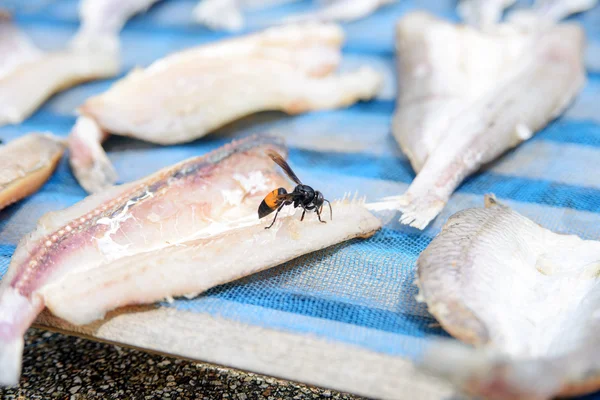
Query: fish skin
{"type": "Point", "coordinates": [26, 164]}
{"type": "Point", "coordinates": [450, 128]}
{"type": "Point", "coordinates": [142, 231]}
{"type": "Point", "coordinates": [524, 296]}
{"type": "Point", "coordinates": [188, 94]}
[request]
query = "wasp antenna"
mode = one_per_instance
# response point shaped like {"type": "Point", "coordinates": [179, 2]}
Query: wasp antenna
{"type": "Point", "coordinates": [330, 210]}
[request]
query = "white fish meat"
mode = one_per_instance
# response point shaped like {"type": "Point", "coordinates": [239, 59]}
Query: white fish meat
{"type": "Point", "coordinates": [467, 96]}
{"type": "Point", "coordinates": [482, 13]}
{"type": "Point", "coordinates": [341, 11]}
{"type": "Point", "coordinates": [228, 14]}
{"type": "Point", "coordinates": [29, 85]}
{"type": "Point", "coordinates": [554, 10]}
{"type": "Point", "coordinates": [167, 235]}
{"type": "Point", "coordinates": [103, 20]}
{"type": "Point", "coordinates": [526, 296]}
{"type": "Point", "coordinates": [26, 164]}
{"type": "Point", "coordinates": [485, 14]}
{"type": "Point", "coordinates": [15, 46]}
{"type": "Point", "coordinates": [31, 76]}
{"type": "Point", "coordinates": [191, 93]}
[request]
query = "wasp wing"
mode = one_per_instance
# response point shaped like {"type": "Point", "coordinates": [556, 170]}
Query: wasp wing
{"type": "Point", "coordinates": [284, 165]}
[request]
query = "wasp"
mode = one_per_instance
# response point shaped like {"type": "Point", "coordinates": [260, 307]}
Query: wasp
{"type": "Point", "coordinates": [302, 196]}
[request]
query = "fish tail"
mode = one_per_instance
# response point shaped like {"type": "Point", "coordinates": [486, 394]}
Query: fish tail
{"type": "Point", "coordinates": [89, 162]}
{"type": "Point", "coordinates": [417, 211]}
{"type": "Point", "coordinates": [11, 355]}
{"type": "Point", "coordinates": [17, 312]}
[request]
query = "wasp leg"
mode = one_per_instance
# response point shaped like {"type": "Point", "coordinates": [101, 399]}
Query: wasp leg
{"type": "Point", "coordinates": [319, 215]}
{"type": "Point", "coordinates": [279, 209]}
{"type": "Point", "coordinates": [302, 218]}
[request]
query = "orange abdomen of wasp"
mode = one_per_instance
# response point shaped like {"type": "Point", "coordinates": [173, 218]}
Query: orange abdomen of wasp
{"type": "Point", "coordinates": [270, 202]}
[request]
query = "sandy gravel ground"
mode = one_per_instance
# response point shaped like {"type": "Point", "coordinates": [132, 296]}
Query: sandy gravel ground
{"type": "Point", "coordinates": [56, 366]}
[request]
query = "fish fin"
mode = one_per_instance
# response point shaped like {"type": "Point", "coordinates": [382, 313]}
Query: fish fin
{"type": "Point", "coordinates": [219, 15]}
{"type": "Point", "coordinates": [90, 164]}
{"type": "Point", "coordinates": [10, 361]}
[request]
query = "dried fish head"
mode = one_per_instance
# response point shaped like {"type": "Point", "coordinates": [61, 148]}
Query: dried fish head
{"type": "Point", "coordinates": [528, 296]}
{"type": "Point", "coordinates": [181, 230]}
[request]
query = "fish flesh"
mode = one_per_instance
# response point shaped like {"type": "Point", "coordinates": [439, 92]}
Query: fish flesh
{"type": "Point", "coordinates": [525, 296]}
{"type": "Point", "coordinates": [169, 234]}
{"type": "Point", "coordinates": [485, 14]}
{"type": "Point", "coordinates": [26, 164]}
{"type": "Point", "coordinates": [468, 96]}
{"type": "Point", "coordinates": [482, 13]}
{"type": "Point", "coordinates": [188, 94]}
{"type": "Point", "coordinates": [29, 85]}
{"type": "Point", "coordinates": [103, 20]}
{"type": "Point", "coordinates": [341, 11]}
{"type": "Point", "coordinates": [227, 14]}
{"type": "Point", "coordinates": [16, 48]}
{"type": "Point", "coordinates": [28, 77]}
{"type": "Point", "coordinates": [555, 10]}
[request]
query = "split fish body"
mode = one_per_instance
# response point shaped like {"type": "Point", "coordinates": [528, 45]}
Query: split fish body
{"type": "Point", "coordinates": [191, 93]}
{"type": "Point", "coordinates": [524, 296]}
{"type": "Point", "coordinates": [468, 96]}
{"type": "Point", "coordinates": [181, 230]}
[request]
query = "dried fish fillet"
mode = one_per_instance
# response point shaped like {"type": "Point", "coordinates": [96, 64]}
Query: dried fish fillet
{"type": "Point", "coordinates": [169, 234]}
{"type": "Point", "coordinates": [191, 93]}
{"type": "Point", "coordinates": [341, 11]}
{"type": "Point", "coordinates": [526, 295]}
{"type": "Point", "coordinates": [30, 76]}
{"type": "Point", "coordinates": [102, 20]}
{"type": "Point", "coordinates": [15, 46]}
{"type": "Point", "coordinates": [482, 13]}
{"type": "Point", "coordinates": [27, 86]}
{"type": "Point", "coordinates": [554, 10]}
{"type": "Point", "coordinates": [468, 96]}
{"type": "Point", "coordinates": [26, 164]}
{"type": "Point", "coordinates": [228, 14]}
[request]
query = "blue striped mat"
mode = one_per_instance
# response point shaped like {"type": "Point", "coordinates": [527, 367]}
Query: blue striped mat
{"type": "Point", "coordinates": [359, 292]}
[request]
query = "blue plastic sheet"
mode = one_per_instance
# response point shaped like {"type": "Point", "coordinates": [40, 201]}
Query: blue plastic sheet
{"type": "Point", "coordinates": [360, 292]}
